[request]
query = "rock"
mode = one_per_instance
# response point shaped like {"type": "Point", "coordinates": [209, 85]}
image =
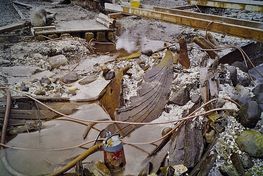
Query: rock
{"type": "Point", "coordinates": [88, 79]}
{"type": "Point", "coordinates": [23, 87]}
{"type": "Point", "coordinates": [210, 136]}
{"type": "Point", "coordinates": [236, 161]}
{"type": "Point", "coordinates": [72, 90]}
{"type": "Point", "coordinates": [40, 92]}
{"type": "Point", "coordinates": [70, 78]}
{"type": "Point", "coordinates": [4, 62]}
{"type": "Point", "coordinates": [147, 52]}
{"type": "Point", "coordinates": [260, 98]}
{"type": "Point", "coordinates": [229, 170]}
{"type": "Point", "coordinates": [249, 114]}
{"type": "Point", "coordinates": [109, 75]}
{"type": "Point", "coordinates": [258, 89]}
{"type": "Point", "coordinates": [244, 81]}
{"type": "Point", "coordinates": [195, 98]}
{"type": "Point", "coordinates": [144, 66]}
{"type": "Point", "coordinates": [246, 161]}
{"type": "Point", "coordinates": [57, 61]}
{"type": "Point", "coordinates": [45, 80]}
{"type": "Point", "coordinates": [241, 66]}
{"type": "Point", "coordinates": [233, 75]}
{"type": "Point", "coordinates": [251, 141]}
{"type": "Point", "coordinates": [181, 97]}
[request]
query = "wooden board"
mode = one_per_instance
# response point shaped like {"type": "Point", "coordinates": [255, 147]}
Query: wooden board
{"type": "Point", "coordinates": [251, 5]}
{"type": "Point", "coordinates": [74, 26]}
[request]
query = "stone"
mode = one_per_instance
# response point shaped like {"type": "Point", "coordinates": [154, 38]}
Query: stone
{"type": "Point", "coordinates": [70, 78]}
{"type": "Point", "coordinates": [244, 81]}
{"type": "Point", "coordinates": [241, 66]}
{"type": "Point", "coordinates": [260, 98]}
{"type": "Point", "coordinates": [72, 90]}
{"type": "Point", "coordinates": [236, 161]}
{"type": "Point", "coordinates": [195, 98]}
{"type": "Point", "coordinates": [181, 97]}
{"type": "Point", "coordinates": [147, 52]}
{"type": "Point", "coordinates": [88, 79]}
{"type": "Point", "coordinates": [247, 161]}
{"type": "Point", "coordinates": [251, 142]}
{"type": "Point", "coordinates": [233, 75]}
{"type": "Point", "coordinates": [45, 80]}
{"type": "Point", "coordinates": [109, 75]}
{"type": "Point", "coordinates": [57, 61]}
{"type": "Point", "coordinates": [40, 92]}
{"type": "Point", "coordinates": [249, 114]}
{"type": "Point", "coordinates": [258, 89]}
{"type": "Point", "coordinates": [23, 87]}
{"type": "Point", "coordinates": [229, 170]}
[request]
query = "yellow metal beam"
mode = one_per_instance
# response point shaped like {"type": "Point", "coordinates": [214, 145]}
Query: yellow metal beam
{"type": "Point", "coordinates": [250, 5]}
{"type": "Point", "coordinates": [211, 17]}
{"type": "Point", "coordinates": [247, 32]}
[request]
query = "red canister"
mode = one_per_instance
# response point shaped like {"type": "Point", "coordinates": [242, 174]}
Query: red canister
{"type": "Point", "coordinates": [114, 157]}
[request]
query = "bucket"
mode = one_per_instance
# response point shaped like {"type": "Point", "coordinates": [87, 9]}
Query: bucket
{"type": "Point", "coordinates": [114, 157]}
{"type": "Point", "coordinates": [135, 3]}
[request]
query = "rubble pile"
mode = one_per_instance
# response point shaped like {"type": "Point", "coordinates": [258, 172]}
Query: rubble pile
{"type": "Point", "coordinates": [160, 99]}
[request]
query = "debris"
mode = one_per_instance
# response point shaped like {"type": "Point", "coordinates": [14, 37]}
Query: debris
{"type": "Point", "coordinates": [183, 54]}
{"type": "Point", "coordinates": [229, 169]}
{"type": "Point", "coordinates": [250, 141]}
{"type": "Point", "coordinates": [6, 117]}
{"type": "Point", "coordinates": [249, 114]}
{"type": "Point", "coordinates": [106, 21]}
{"type": "Point", "coordinates": [109, 75]}
{"type": "Point", "coordinates": [181, 97]}
{"type": "Point", "coordinates": [123, 55]}
{"type": "Point", "coordinates": [111, 100]}
{"type": "Point", "coordinates": [14, 26]}
{"type": "Point", "coordinates": [57, 61]}
{"type": "Point", "coordinates": [81, 157]}
{"type": "Point", "coordinates": [152, 97]}
{"type": "Point", "coordinates": [88, 79]}
{"type": "Point", "coordinates": [90, 92]}
{"type": "Point", "coordinates": [204, 44]}
{"type": "Point", "coordinates": [70, 78]}
{"type": "Point", "coordinates": [187, 147]}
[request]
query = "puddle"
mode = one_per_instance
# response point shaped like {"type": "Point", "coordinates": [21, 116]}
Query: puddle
{"type": "Point", "coordinates": [59, 134]}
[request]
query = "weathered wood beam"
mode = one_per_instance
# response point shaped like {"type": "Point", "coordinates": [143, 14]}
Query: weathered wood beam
{"type": "Point", "coordinates": [23, 4]}
{"type": "Point", "coordinates": [22, 16]}
{"type": "Point", "coordinates": [251, 5]}
{"type": "Point", "coordinates": [211, 17]}
{"type": "Point", "coordinates": [246, 32]}
{"type": "Point", "coordinates": [14, 26]}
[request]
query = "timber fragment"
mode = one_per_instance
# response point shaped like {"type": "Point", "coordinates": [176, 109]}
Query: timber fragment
{"type": "Point", "coordinates": [183, 56]}
{"type": "Point", "coordinates": [204, 44]}
{"type": "Point", "coordinates": [152, 97]}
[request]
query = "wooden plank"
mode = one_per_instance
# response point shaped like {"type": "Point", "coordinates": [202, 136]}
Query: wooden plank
{"type": "Point", "coordinates": [211, 17]}
{"type": "Point", "coordinates": [13, 26]}
{"type": "Point", "coordinates": [23, 4]}
{"type": "Point", "coordinates": [29, 114]}
{"type": "Point", "coordinates": [199, 23]}
{"type": "Point", "coordinates": [75, 26]}
{"type": "Point", "coordinates": [19, 12]}
{"type": "Point", "coordinates": [184, 7]}
{"type": "Point", "coordinates": [232, 4]}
